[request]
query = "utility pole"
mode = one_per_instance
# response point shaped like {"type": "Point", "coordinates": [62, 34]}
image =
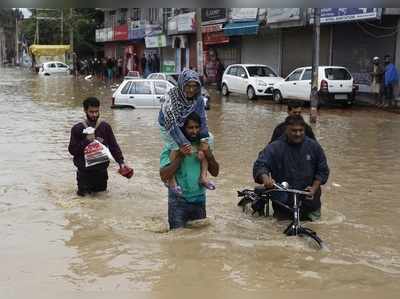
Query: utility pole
{"type": "Point", "coordinates": [16, 37]}
{"type": "Point", "coordinates": [62, 26]}
{"type": "Point", "coordinates": [315, 64]}
{"type": "Point", "coordinates": [37, 28]}
{"type": "Point", "coordinates": [71, 30]}
{"type": "Point", "coordinates": [199, 43]}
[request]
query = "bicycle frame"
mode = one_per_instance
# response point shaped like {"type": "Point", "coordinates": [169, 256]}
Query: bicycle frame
{"type": "Point", "coordinates": [295, 228]}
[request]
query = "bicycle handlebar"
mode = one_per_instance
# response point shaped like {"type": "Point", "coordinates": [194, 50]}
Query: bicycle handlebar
{"type": "Point", "coordinates": [280, 188]}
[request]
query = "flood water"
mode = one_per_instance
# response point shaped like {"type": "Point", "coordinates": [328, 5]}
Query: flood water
{"type": "Point", "coordinates": [53, 242]}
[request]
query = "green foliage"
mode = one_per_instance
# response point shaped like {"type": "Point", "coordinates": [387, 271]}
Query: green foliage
{"type": "Point", "coordinates": [83, 22]}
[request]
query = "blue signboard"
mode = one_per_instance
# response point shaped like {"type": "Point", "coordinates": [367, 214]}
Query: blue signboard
{"type": "Point", "coordinates": [334, 15]}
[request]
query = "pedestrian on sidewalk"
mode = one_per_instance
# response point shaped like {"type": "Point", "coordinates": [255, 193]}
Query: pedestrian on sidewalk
{"type": "Point", "coordinates": [377, 75]}
{"type": "Point", "coordinates": [391, 80]}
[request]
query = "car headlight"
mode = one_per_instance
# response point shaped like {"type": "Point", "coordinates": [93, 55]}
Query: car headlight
{"type": "Point", "coordinates": [261, 83]}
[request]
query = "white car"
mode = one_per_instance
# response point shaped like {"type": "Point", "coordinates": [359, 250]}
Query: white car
{"type": "Point", "coordinates": [250, 79]}
{"type": "Point", "coordinates": [54, 67]}
{"type": "Point", "coordinates": [173, 79]}
{"type": "Point", "coordinates": [132, 75]}
{"type": "Point", "coordinates": [335, 84]}
{"type": "Point", "coordinates": [141, 93]}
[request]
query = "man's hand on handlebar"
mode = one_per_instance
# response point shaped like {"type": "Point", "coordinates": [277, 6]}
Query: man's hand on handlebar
{"type": "Point", "coordinates": [312, 191]}
{"type": "Point", "coordinates": [268, 181]}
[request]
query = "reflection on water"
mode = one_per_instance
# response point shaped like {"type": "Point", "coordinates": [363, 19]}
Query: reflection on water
{"type": "Point", "coordinates": [118, 240]}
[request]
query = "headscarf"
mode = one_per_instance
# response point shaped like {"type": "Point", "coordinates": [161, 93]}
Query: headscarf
{"type": "Point", "coordinates": [176, 106]}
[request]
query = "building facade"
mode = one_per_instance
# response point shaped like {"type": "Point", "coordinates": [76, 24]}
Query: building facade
{"type": "Point", "coordinates": [281, 38]}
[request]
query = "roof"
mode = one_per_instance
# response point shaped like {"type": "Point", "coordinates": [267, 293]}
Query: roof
{"type": "Point", "coordinates": [49, 50]}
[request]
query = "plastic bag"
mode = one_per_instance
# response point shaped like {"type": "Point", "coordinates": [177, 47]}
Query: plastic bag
{"type": "Point", "coordinates": [97, 153]}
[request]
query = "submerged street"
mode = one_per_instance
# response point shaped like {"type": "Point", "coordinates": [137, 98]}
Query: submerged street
{"type": "Point", "coordinates": [118, 241]}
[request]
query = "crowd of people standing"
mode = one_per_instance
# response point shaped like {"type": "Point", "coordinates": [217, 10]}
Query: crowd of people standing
{"type": "Point", "coordinates": [113, 69]}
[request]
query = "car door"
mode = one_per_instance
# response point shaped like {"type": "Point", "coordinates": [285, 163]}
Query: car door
{"type": "Point", "coordinates": [289, 87]}
{"type": "Point", "coordinates": [123, 97]}
{"type": "Point", "coordinates": [230, 78]}
{"type": "Point", "coordinates": [304, 85]}
{"type": "Point", "coordinates": [141, 94]}
{"type": "Point", "coordinates": [242, 79]}
{"type": "Point", "coordinates": [62, 68]}
{"type": "Point", "coordinates": [160, 89]}
{"type": "Point", "coordinates": [51, 68]}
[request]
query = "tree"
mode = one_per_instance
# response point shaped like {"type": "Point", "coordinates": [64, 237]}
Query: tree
{"type": "Point", "coordinates": [84, 23]}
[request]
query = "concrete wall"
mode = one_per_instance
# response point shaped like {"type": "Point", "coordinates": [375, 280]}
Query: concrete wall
{"type": "Point", "coordinates": [265, 48]}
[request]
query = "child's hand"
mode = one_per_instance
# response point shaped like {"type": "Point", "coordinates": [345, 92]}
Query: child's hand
{"type": "Point", "coordinates": [186, 149]}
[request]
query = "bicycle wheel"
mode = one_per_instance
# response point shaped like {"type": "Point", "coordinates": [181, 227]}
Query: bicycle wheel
{"type": "Point", "coordinates": [311, 236]}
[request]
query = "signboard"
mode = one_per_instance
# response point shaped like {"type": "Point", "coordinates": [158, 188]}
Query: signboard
{"type": "Point", "coordinates": [186, 22]}
{"type": "Point", "coordinates": [152, 29]}
{"type": "Point", "coordinates": [168, 66]}
{"type": "Point", "coordinates": [244, 14]}
{"type": "Point", "coordinates": [136, 33]}
{"type": "Point", "coordinates": [121, 32]}
{"type": "Point", "coordinates": [211, 28]}
{"type": "Point", "coordinates": [276, 15]}
{"type": "Point", "coordinates": [173, 25]}
{"type": "Point", "coordinates": [100, 35]}
{"type": "Point", "coordinates": [157, 41]}
{"type": "Point", "coordinates": [213, 38]}
{"type": "Point", "coordinates": [213, 15]}
{"type": "Point", "coordinates": [335, 15]}
{"type": "Point", "coordinates": [108, 34]}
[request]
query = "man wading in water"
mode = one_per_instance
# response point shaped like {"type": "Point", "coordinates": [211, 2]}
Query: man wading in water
{"type": "Point", "coordinates": [94, 178]}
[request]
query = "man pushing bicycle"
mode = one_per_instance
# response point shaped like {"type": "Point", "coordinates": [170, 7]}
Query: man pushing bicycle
{"type": "Point", "coordinates": [298, 160]}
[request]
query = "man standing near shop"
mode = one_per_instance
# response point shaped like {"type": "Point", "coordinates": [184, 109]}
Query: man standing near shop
{"type": "Point", "coordinates": [94, 178]}
{"type": "Point", "coordinates": [391, 81]}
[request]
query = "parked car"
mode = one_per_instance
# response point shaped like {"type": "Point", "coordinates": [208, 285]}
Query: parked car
{"type": "Point", "coordinates": [250, 79]}
{"type": "Point", "coordinates": [335, 84]}
{"type": "Point", "coordinates": [173, 79]}
{"type": "Point", "coordinates": [54, 67]}
{"type": "Point", "coordinates": [132, 75]}
{"type": "Point", "coordinates": [140, 93]}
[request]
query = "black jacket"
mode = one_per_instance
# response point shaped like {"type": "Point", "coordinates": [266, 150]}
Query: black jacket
{"type": "Point", "coordinates": [297, 164]}
{"type": "Point", "coordinates": [280, 130]}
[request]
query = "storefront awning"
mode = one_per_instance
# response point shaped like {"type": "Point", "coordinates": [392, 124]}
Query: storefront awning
{"type": "Point", "coordinates": [241, 28]}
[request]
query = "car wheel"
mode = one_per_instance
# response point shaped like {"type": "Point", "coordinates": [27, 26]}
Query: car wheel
{"type": "Point", "coordinates": [225, 90]}
{"type": "Point", "coordinates": [251, 94]}
{"type": "Point", "coordinates": [278, 97]}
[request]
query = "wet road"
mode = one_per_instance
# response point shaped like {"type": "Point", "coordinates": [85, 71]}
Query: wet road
{"type": "Point", "coordinates": [54, 241]}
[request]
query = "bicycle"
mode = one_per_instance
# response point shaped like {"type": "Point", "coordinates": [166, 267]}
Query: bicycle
{"type": "Point", "coordinates": [259, 199]}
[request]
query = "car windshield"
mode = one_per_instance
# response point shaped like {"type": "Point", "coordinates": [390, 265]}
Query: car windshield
{"type": "Point", "coordinates": [337, 74]}
{"type": "Point", "coordinates": [260, 71]}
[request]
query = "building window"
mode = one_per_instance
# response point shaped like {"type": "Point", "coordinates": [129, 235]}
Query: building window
{"type": "Point", "coordinates": [122, 16]}
{"type": "Point", "coordinates": [167, 12]}
{"type": "Point", "coordinates": [153, 15]}
{"type": "Point", "coordinates": [135, 14]}
{"type": "Point", "coordinates": [113, 19]}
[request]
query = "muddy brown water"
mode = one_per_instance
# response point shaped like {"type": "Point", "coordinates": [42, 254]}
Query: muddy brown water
{"type": "Point", "coordinates": [53, 242]}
